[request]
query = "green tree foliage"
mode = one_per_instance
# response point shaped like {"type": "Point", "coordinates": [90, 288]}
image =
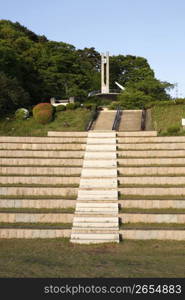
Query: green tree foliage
{"type": "Point", "coordinates": [12, 95]}
{"type": "Point", "coordinates": [42, 69]}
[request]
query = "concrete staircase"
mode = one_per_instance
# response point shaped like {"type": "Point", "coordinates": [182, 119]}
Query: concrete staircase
{"type": "Point", "coordinates": [105, 120]}
{"type": "Point", "coordinates": [151, 185]}
{"type": "Point", "coordinates": [96, 214]}
{"type": "Point", "coordinates": [41, 178]}
{"type": "Point", "coordinates": [130, 120]}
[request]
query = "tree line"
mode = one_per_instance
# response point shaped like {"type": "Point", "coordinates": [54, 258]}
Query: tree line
{"type": "Point", "coordinates": [33, 69]}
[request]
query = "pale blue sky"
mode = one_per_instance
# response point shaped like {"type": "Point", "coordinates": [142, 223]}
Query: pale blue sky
{"type": "Point", "coordinates": [154, 29]}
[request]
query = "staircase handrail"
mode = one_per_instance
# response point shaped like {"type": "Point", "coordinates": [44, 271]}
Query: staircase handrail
{"type": "Point", "coordinates": [117, 119]}
{"type": "Point", "coordinates": [92, 118]}
{"type": "Point", "coordinates": [143, 119]}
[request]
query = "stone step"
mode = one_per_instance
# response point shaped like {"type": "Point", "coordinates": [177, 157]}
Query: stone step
{"type": "Point", "coordinates": [152, 153]}
{"type": "Point", "coordinates": [100, 155]}
{"type": "Point", "coordinates": [36, 217]}
{"type": "Point", "coordinates": [99, 173]}
{"type": "Point", "coordinates": [152, 180]}
{"type": "Point", "coordinates": [96, 205]}
{"type": "Point", "coordinates": [161, 170]}
{"type": "Point", "coordinates": [130, 120]}
{"type": "Point", "coordinates": [95, 230]}
{"type": "Point", "coordinates": [99, 163]}
{"type": "Point", "coordinates": [156, 234]}
{"type": "Point", "coordinates": [68, 133]}
{"type": "Point", "coordinates": [151, 161]}
{"type": "Point", "coordinates": [38, 191]}
{"type": "Point", "coordinates": [63, 171]}
{"type": "Point", "coordinates": [9, 233]}
{"type": "Point", "coordinates": [37, 203]}
{"type": "Point", "coordinates": [40, 180]}
{"type": "Point", "coordinates": [103, 148]}
{"type": "Point", "coordinates": [94, 238]}
{"type": "Point", "coordinates": [41, 139]}
{"type": "Point", "coordinates": [152, 218]}
{"type": "Point", "coordinates": [98, 183]}
{"type": "Point", "coordinates": [96, 220]}
{"type": "Point", "coordinates": [97, 194]}
{"type": "Point", "coordinates": [100, 140]}
{"type": "Point", "coordinates": [152, 203]}
{"type": "Point", "coordinates": [175, 191]}
{"type": "Point", "coordinates": [105, 120]}
{"type": "Point", "coordinates": [99, 134]}
{"type": "Point", "coordinates": [44, 153]}
{"type": "Point", "coordinates": [44, 146]}
{"type": "Point", "coordinates": [41, 161]}
{"type": "Point", "coordinates": [151, 146]}
{"type": "Point", "coordinates": [89, 224]}
{"type": "Point", "coordinates": [153, 139]}
{"type": "Point", "coordinates": [96, 210]}
{"type": "Point", "coordinates": [136, 133]}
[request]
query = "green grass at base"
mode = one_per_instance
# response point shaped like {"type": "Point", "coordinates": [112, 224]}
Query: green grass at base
{"type": "Point", "coordinates": [49, 258]}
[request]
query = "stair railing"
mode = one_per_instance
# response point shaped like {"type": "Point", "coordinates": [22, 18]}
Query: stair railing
{"type": "Point", "coordinates": [117, 119]}
{"type": "Point", "coordinates": [92, 118]}
{"type": "Point", "coordinates": [143, 119]}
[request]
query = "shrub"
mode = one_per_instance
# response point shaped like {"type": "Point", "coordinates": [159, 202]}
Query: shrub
{"type": "Point", "coordinates": [42, 106]}
{"type": "Point", "coordinates": [70, 106]}
{"type": "Point", "coordinates": [173, 130]}
{"type": "Point", "coordinates": [21, 114]}
{"type": "Point", "coordinates": [60, 108]}
{"type": "Point", "coordinates": [88, 105]}
{"type": "Point", "coordinates": [43, 113]}
{"type": "Point", "coordinates": [43, 116]}
{"type": "Point", "coordinates": [180, 101]}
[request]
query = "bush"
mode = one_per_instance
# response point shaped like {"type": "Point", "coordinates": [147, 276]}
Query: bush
{"type": "Point", "coordinates": [42, 106]}
{"type": "Point", "coordinates": [43, 116]}
{"type": "Point", "coordinates": [43, 113]}
{"type": "Point", "coordinates": [88, 105]}
{"type": "Point", "coordinates": [70, 106]}
{"type": "Point", "coordinates": [180, 101]}
{"type": "Point", "coordinates": [21, 114]}
{"type": "Point", "coordinates": [60, 108]}
{"type": "Point", "coordinates": [173, 130]}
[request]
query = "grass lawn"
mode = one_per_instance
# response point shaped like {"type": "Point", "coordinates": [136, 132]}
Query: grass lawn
{"type": "Point", "coordinates": [76, 120]}
{"type": "Point", "coordinates": [59, 258]}
{"type": "Point", "coordinates": [164, 117]}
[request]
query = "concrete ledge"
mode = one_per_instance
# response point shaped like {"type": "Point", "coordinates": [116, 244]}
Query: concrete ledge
{"type": "Point", "coordinates": [177, 191]}
{"type": "Point", "coordinates": [38, 191]}
{"type": "Point", "coordinates": [137, 133]}
{"type": "Point", "coordinates": [41, 139]}
{"type": "Point", "coordinates": [68, 133]}
{"type": "Point", "coordinates": [152, 180]}
{"type": "Point", "coordinates": [152, 203]}
{"type": "Point", "coordinates": [154, 139]}
{"type": "Point", "coordinates": [40, 171]}
{"type": "Point", "coordinates": [34, 233]}
{"type": "Point", "coordinates": [39, 180]}
{"type": "Point", "coordinates": [42, 154]}
{"type": "Point", "coordinates": [152, 153]}
{"type": "Point", "coordinates": [151, 234]}
{"type": "Point", "coordinates": [36, 217]}
{"type": "Point", "coordinates": [41, 162]}
{"type": "Point", "coordinates": [151, 161]}
{"type": "Point", "coordinates": [37, 203]}
{"type": "Point", "coordinates": [151, 146]}
{"type": "Point", "coordinates": [152, 218]}
{"type": "Point", "coordinates": [151, 170]}
{"type": "Point", "coordinates": [41, 146]}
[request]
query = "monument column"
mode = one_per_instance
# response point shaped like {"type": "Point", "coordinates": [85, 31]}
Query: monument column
{"type": "Point", "coordinates": [105, 73]}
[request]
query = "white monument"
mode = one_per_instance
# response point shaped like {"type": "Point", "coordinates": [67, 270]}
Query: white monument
{"type": "Point", "coordinates": [105, 73]}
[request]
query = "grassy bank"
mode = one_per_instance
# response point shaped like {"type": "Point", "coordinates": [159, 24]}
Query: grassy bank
{"type": "Point", "coordinates": [164, 117]}
{"type": "Point", "coordinates": [70, 120]}
{"type": "Point", "coordinates": [59, 258]}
